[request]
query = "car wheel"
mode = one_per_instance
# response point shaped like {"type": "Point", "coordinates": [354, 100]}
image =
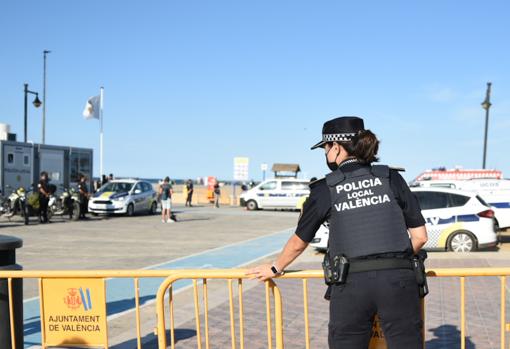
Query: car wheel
{"type": "Point", "coordinates": [251, 205]}
{"type": "Point", "coordinates": [154, 208]}
{"type": "Point", "coordinates": [462, 241]}
{"type": "Point", "coordinates": [130, 210]}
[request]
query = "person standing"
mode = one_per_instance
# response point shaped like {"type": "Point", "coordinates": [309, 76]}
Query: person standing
{"type": "Point", "coordinates": [189, 192]}
{"type": "Point", "coordinates": [44, 195]}
{"type": "Point", "coordinates": [217, 195]}
{"type": "Point", "coordinates": [165, 192]}
{"type": "Point", "coordinates": [376, 230]}
{"type": "Point", "coordinates": [84, 196]}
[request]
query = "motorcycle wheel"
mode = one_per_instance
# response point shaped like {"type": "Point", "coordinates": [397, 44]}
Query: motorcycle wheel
{"type": "Point", "coordinates": [76, 211]}
{"type": "Point", "coordinates": [26, 213]}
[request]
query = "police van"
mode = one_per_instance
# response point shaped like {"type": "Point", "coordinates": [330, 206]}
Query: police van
{"type": "Point", "coordinates": [456, 221]}
{"type": "Point", "coordinates": [496, 192]}
{"type": "Point", "coordinates": [276, 193]}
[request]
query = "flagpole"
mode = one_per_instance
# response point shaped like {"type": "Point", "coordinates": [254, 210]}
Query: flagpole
{"type": "Point", "coordinates": [101, 133]}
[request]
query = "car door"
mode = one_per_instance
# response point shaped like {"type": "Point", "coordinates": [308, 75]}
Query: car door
{"type": "Point", "coordinates": [293, 191]}
{"type": "Point", "coordinates": [138, 196]}
{"type": "Point", "coordinates": [437, 213]}
{"type": "Point", "coordinates": [267, 194]}
{"type": "Point", "coordinates": [147, 195]}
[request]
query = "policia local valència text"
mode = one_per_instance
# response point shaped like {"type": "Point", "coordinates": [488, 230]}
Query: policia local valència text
{"type": "Point", "coordinates": [360, 194]}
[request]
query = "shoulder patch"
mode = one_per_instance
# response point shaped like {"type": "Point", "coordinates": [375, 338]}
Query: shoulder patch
{"type": "Point", "coordinates": [316, 182]}
{"type": "Point", "coordinates": [381, 171]}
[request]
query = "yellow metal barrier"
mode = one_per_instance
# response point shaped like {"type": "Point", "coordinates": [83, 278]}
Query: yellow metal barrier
{"type": "Point", "coordinates": [239, 275]}
{"type": "Point", "coordinates": [272, 293]}
{"type": "Point", "coordinates": [44, 275]}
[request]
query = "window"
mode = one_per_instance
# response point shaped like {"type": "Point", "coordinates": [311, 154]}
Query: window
{"type": "Point", "coordinates": [117, 187]}
{"type": "Point", "coordinates": [80, 164]}
{"type": "Point", "coordinates": [10, 158]}
{"type": "Point", "coordinates": [146, 186]}
{"type": "Point", "coordinates": [268, 186]}
{"type": "Point", "coordinates": [294, 185]}
{"type": "Point", "coordinates": [26, 160]}
{"type": "Point", "coordinates": [138, 187]}
{"type": "Point", "coordinates": [430, 200]}
{"type": "Point", "coordinates": [458, 200]}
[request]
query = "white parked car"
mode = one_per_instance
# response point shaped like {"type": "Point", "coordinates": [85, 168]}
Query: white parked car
{"type": "Point", "coordinates": [276, 193]}
{"type": "Point", "coordinates": [496, 192]}
{"type": "Point", "coordinates": [124, 196]}
{"type": "Point", "coordinates": [456, 221]}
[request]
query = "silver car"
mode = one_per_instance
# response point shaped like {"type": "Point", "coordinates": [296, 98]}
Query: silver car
{"type": "Point", "coordinates": [124, 196]}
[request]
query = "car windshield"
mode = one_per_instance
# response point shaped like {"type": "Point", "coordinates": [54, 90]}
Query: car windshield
{"type": "Point", "coordinates": [117, 187]}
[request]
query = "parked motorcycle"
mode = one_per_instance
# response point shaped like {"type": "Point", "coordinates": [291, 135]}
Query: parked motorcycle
{"type": "Point", "coordinates": [15, 203]}
{"type": "Point", "coordinates": [32, 207]}
{"type": "Point", "coordinates": [68, 204]}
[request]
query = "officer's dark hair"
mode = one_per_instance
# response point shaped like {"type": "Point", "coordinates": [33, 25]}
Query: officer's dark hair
{"type": "Point", "coordinates": [364, 146]}
{"type": "Point", "coordinates": [167, 179]}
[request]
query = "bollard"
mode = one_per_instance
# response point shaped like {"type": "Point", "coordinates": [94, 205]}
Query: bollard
{"type": "Point", "coordinates": [8, 246]}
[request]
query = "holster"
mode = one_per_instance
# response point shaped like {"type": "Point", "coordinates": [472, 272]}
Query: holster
{"type": "Point", "coordinates": [335, 268]}
{"type": "Point", "coordinates": [418, 263]}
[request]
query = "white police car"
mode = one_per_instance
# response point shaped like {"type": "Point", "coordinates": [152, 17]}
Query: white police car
{"type": "Point", "coordinates": [496, 192]}
{"type": "Point", "coordinates": [276, 193]}
{"type": "Point", "coordinates": [124, 196]}
{"type": "Point", "coordinates": [456, 221]}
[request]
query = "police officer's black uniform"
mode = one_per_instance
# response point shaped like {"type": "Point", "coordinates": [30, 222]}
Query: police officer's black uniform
{"type": "Point", "coordinates": [369, 209]}
{"type": "Point", "coordinates": [84, 197]}
{"type": "Point", "coordinates": [43, 189]}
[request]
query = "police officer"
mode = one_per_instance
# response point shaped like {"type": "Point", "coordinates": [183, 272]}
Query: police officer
{"type": "Point", "coordinates": [44, 195]}
{"type": "Point", "coordinates": [376, 228]}
{"type": "Point", "coordinates": [84, 195]}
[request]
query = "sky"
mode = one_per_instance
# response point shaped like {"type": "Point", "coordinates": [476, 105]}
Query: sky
{"type": "Point", "coordinates": [189, 85]}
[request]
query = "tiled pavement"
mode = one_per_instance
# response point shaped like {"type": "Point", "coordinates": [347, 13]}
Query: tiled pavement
{"type": "Point", "coordinates": [442, 322]}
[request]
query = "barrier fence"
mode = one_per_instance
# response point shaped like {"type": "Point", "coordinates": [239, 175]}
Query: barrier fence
{"type": "Point", "coordinates": [84, 295]}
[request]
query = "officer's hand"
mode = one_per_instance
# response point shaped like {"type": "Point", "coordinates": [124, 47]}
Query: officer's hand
{"type": "Point", "coordinates": [262, 272]}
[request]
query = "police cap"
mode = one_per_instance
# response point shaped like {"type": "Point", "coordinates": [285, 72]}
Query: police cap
{"type": "Point", "coordinates": [341, 129]}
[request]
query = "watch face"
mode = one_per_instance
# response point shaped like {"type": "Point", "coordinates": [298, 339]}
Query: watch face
{"type": "Point", "coordinates": [273, 269]}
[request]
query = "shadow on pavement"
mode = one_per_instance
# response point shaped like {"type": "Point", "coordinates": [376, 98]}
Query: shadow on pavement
{"type": "Point", "coordinates": [150, 341]}
{"type": "Point", "coordinates": [447, 336]}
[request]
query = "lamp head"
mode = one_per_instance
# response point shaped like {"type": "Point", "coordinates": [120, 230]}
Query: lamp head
{"type": "Point", "coordinates": [37, 102]}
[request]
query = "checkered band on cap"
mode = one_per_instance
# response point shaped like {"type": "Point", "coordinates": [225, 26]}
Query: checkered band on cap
{"type": "Point", "coordinates": [338, 137]}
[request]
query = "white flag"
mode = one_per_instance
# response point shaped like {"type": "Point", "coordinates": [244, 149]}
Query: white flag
{"type": "Point", "coordinates": [91, 110]}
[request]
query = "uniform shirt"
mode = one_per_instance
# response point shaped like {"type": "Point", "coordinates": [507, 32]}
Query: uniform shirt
{"type": "Point", "coordinates": [43, 184]}
{"type": "Point", "coordinates": [189, 186]}
{"type": "Point", "coordinates": [82, 187]}
{"type": "Point", "coordinates": [317, 208]}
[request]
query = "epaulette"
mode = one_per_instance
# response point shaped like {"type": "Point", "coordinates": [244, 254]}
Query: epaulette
{"type": "Point", "coordinates": [396, 168]}
{"type": "Point", "coordinates": [316, 182]}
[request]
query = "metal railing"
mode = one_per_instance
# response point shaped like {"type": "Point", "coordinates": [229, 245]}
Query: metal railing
{"type": "Point", "coordinates": [41, 275]}
{"type": "Point", "coordinates": [304, 276]}
{"type": "Point", "coordinates": [274, 321]}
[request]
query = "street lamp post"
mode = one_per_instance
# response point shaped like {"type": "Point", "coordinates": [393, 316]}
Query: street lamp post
{"type": "Point", "coordinates": [45, 52]}
{"type": "Point", "coordinates": [486, 104]}
{"type": "Point", "coordinates": [37, 103]}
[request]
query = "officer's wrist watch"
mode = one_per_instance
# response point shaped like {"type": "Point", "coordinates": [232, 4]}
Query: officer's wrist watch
{"type": "Point", "coordinates": [275, 270]}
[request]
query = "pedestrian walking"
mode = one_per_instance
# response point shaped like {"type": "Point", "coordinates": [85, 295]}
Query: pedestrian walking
{"type": "Point", "coordinates": [189, 192]}
{"type": "Point", "coordinates": [44, 197]}
{"type": "Point", "coordinates": [374, 263]}
{"type": "Point", "coordinates": [165, 192]}
{"type": "Point", "coordinates": [217, 195]}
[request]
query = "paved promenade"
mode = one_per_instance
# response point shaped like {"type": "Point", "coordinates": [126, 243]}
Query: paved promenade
{"type": "Point", "coordinates": [232, 238]}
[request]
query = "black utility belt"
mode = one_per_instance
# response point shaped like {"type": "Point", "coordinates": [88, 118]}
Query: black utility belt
{"type": "Point", "coordinates": [358, 266]}
{"type": "Point", "coordinates": [337, 268]}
